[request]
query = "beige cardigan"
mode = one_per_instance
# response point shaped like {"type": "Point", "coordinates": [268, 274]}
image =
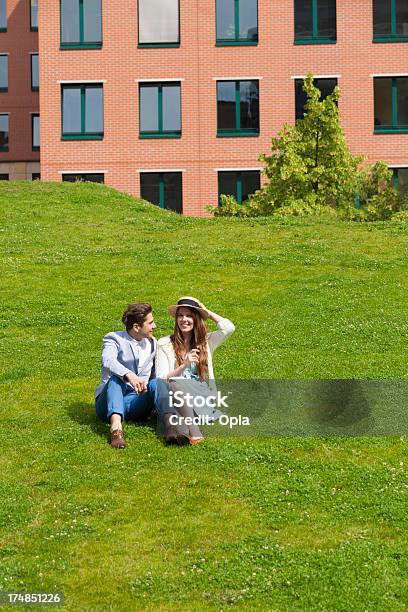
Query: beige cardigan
{"type": "Point", "coordinates": [166, 359]}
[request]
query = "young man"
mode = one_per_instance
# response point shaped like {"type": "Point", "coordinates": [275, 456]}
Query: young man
{"type": "Point", "coordinates": [128, 390]}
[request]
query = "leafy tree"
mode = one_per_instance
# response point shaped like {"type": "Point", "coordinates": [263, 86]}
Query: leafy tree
{"type": "Point", "coordinates": [311, 170]}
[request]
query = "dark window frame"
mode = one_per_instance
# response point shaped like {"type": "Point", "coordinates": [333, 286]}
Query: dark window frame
{"type": "Point", "coordinates": [162, 189]}
{"type": "Point", "coordinates": [237, 41]}
{"type": "Point", "coordinates": [237, 131]}
{"type": "Point", "coordinates": [299, 82]}
{"type": "Point", "coordinates": [392, 36]}
{"type": "Point", "coordinates": [82, 135]}
{"type": "Point", "coordinates": [34, 147]}
{"type": "Point", "coordinates": [156, 45]}
{"type": "Point", "coordinates": [394, 128]}
{"type": "Point", "coordinates": [34, 87]}
{"type": "Point", "coordinates": [394, 178]}
{"type": "Point", "coordinates": [159, 133]}
{"type": "Point", "coordinates": [315, 39]}
{"type": "Point", "coordinates": [82, 180]}
{"type": "Point", "coordinates": [4, 176]}
{"type": "Point", "coordinates": [238, 184]}
{"type": "Point", "coordinates": [33, 28]}
{"type": "Point", "coordinates": [5, 148]}
{"type": "Point", "coordinates": [5, 89]}
{"type": "Point", "coordinates": [81, 44]}
{"type": "Point", "coordinates": [4, 28]}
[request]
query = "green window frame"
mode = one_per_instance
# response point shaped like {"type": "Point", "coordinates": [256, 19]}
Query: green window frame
{"type": "Point", "coordinates": [393, 35]}
{"type": "Point", "coordinates": [237, 39]}
{"type": "Point", "coordinates": [238, 177]}
{"type": "Point", "coordinates": [395, 127]}
{"type": "Point", "coordinates": [81, 43]}
{"type": "Point", "coordinates": [160, 132]}
{"type": "Point", "coordinates": [402, 188]}
{"type": "Point", "coordinates": [163, 189]}
{"type": "Point", "coordinates": [3, 15]}
{"type": "Point", "coordinates": [34, 15]}
{"type": "Point", "coordinates": [4, 147]}
{"type": "Point", "coordinates": [35, 79]}
{"type": "Point", "coordinates": [315, 38]}
{"type": "Point", "coordinates": [83, 134]}
{"type": "Point", "coordinates": [237, 130]}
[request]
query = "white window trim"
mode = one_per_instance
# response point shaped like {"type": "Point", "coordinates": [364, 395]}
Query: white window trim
{"type": "Point", "coordinates": [237, 169]}
{"type": "Point", "coordinates": [82, 172]}
{"type": "Point", "coordinates": [81, 82]}
{"type": "Point", "coordinates": [392, 166]}
{"type": "Point", "coordinates": [317, 76]}
{"type": "Point", "coordinates": [158, 80]}
{"type": "Point", "coordinates": [391, 74]}
{"type": "Point", "coordinates": [144, 170]}
{"type": "Point", "coordinates": [238, 78]}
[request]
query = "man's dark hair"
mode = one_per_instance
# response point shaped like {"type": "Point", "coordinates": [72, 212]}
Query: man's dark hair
{"type": "Point", "coordinates": [135, 313]}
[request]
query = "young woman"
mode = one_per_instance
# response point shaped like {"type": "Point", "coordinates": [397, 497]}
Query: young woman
{"type": "Point", "coordinates": [185, 359]}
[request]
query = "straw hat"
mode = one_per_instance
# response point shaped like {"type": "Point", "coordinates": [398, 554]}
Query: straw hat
{"type": "Point", "coordinates": [190, 302]}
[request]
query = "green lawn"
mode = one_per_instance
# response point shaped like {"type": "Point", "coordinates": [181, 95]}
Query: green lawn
{"type": "Point", "coordinates": [269, 523]}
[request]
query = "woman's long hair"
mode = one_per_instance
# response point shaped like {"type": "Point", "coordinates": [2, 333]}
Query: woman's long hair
{"type": "Point", "coordinates": [198, 340]}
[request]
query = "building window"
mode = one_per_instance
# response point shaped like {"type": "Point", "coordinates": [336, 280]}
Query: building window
{"type": "Point", "coordinates": [159, 23]}
{"type": "Point", "coordinates": [326, 87]}
{"type": "Point", "coordinates": [82, 112]}
{"type": "Point", "coordinates": [238, 183]}
{"type": "Point", "coordinates": [400, 179]}
{"type": "Point", "coordinates": [390, 104]}
{"type": "Point", "coordinates": [81, 24]}
{"type": "Point", "coordinates": [390, 20]}
{"type": "Point", "coordinates": [34, 16]}
{"type": "Point", "coordinates": [35, 132]}
{"type": "Point", "coordinates": [34, 72]}
{"type": "Point", "coordinates": [3, 15]}
{"type": "Point", "coordinates": [160, 110]}
{"type": "Point", "coordinates": [4, 132]}
{"type": "Point", "coordinates": [84, 177]}
{"type": "Point", "coordinates": [237, 22]}
{"type": "Point", "coordinates": [3, 72]}
{"type": "Point", "coordinates": [315, 21]}
{"type": "Point", "coordinates": [237, 108]}
{"type": "Point", "coordinates": [163, 189]}
{"type": "Point", "coordinates": [4, 177]}
{"type": "Point", "coordinates": [35, 176]}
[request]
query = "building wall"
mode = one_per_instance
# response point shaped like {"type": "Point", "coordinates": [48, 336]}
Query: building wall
{"type": "Point", "coordinates": [197, 62]}
{"type": "Point", "coordinates": [19, 102]}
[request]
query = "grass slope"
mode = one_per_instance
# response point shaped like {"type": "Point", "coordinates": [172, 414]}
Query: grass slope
{"type": "Point", "coordinates": [277, 524]}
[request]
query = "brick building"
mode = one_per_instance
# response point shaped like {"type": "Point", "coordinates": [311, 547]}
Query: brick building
{"type": "Point", "coordinates": [19, 103]}
{"type": "Point", "coordinates": [175, 99]}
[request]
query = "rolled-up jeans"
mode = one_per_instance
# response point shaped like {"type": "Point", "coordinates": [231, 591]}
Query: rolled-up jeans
{"type": "Point", "coordinates": [117, 397]}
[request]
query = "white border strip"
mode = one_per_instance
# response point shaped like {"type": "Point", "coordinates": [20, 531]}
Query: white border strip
{"type": "Point", "coordinates": [81, 81]}
{"type": "Point", "coordinates": [237, 169]}
{"type": "Point", "coordinates": [161, 170]}
{"type": "Point", "coordinates": [158, 80]}
{"type": "Point", "coordinates": [82, 171]}
{"type": "Point", "coordinates": [391, 166]}
{"type": "Point", "coordinates": [391, 74]}
{"type": "Point", "coordinates": [238, 78]}
{"type": "Point", "coordinates": [317, 76]}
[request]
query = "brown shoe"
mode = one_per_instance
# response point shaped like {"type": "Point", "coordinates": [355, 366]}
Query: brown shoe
{"type": "Point", "coordinates": [117, 439]}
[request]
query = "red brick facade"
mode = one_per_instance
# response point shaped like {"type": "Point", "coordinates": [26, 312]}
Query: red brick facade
{"type": "Point", "coordinates": [198, 62]}
{"type": "Point", "coordinates": [19, 102]}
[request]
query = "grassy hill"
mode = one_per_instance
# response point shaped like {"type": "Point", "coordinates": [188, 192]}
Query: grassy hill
{"type": "Point", "coordinates": [278, 523]}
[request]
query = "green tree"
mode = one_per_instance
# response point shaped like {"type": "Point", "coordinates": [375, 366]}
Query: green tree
{"type": "Point", "coordinates": [311, 170]}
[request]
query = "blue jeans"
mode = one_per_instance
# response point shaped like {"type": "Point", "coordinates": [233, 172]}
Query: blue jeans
{"type": "Point", "coordinates": [120, 398]}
